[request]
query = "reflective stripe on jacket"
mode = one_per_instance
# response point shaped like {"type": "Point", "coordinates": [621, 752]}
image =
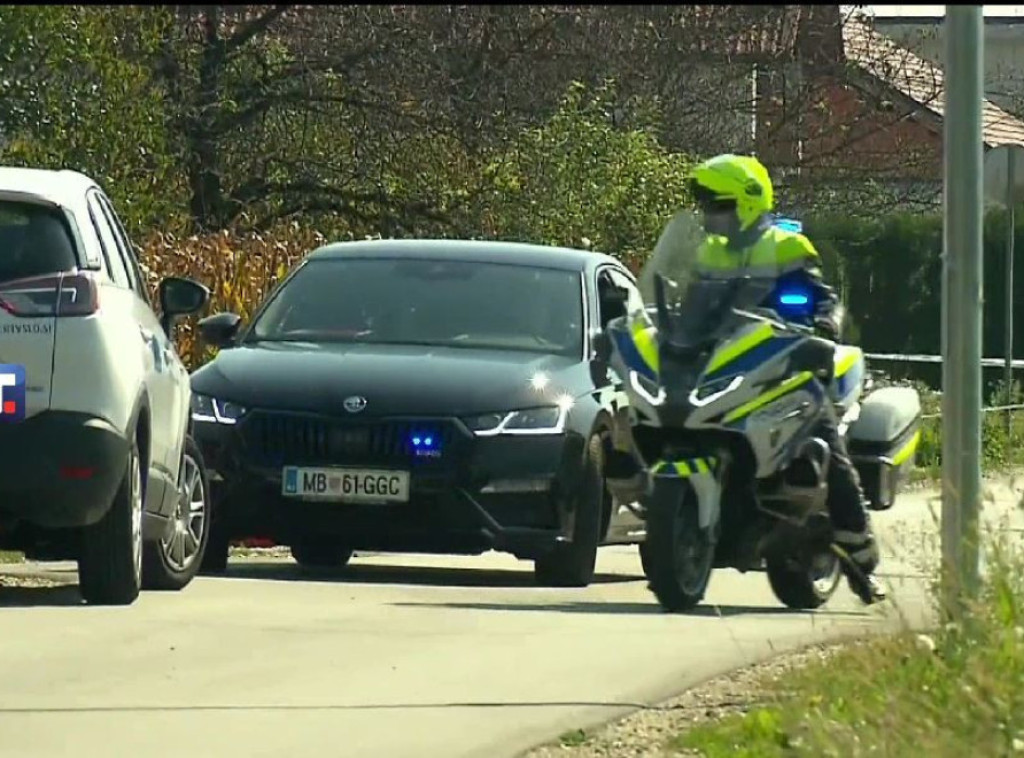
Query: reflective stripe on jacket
{"type": "Point", "coordinates": [775, 253]}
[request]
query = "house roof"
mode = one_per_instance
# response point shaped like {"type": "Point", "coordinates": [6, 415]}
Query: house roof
{"type": "Point", "coordinates": [919, 80]}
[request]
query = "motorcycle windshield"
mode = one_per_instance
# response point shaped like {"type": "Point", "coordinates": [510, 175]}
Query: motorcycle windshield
{"type": "Point", "coordinates": [675, 255]}
{"type": "Point", "coordinates": [696, 315]}
{"type": "Point", "coordinates": [693, 311]}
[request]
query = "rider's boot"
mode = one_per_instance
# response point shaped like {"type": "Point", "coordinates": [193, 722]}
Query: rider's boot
{"type": "Point", "coordinates": [862, 552]}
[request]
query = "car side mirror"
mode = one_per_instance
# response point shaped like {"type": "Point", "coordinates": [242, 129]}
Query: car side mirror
{"type": "Point", "coordinates": [180, 297]}
{"type": "Point", "coordinates": [220, 329]}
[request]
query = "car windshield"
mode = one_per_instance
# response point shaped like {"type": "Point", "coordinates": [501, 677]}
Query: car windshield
{"type": "Point", "coordinates": [428, 302]}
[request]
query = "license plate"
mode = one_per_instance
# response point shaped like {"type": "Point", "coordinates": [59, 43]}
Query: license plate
{"type": "Point", "coordinates": [345, 484]}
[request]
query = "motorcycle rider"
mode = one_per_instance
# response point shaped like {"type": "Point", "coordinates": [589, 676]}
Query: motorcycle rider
{"type": "Point", "coordinates": [735, 196]}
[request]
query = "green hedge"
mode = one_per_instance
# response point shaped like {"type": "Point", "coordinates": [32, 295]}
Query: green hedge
{"type": "Point", "coordinates": [890, 273]}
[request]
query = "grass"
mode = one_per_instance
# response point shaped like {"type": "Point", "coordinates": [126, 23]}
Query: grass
{"type": "Point", "coordinates": [9, 556]}
{"type": "Point", "coordinates": [1001, 449]}
{"type": "Point", "coordinates": [956, 692]}
{"type": "Point", "coordinates": [573, 738]}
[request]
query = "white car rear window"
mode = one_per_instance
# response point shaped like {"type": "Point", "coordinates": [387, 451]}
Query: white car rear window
{"type": "Point", "coordinates": [34, 241]}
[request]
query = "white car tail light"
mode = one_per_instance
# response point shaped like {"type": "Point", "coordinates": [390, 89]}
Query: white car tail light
{"type": "Point", "coordinates": [64, 294]}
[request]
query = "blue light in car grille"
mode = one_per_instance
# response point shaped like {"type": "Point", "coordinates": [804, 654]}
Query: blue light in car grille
{"type": "Point", "coordinates": [425, 444]}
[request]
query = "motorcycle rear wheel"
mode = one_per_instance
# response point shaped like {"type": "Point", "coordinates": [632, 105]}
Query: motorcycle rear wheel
{"type": "Point", "coordinates": [678, 556]}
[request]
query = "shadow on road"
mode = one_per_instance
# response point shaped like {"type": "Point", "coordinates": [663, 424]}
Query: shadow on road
{"type": "Point", "coordinates": [33, 597]}
{"type": "Point", "coordinates": [627, 608]}
{"type": "Point", "coordinates": [410, 575]}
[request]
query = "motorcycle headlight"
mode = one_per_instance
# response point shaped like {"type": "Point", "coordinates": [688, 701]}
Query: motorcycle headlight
{"type": "Point", "coordinates": [544, 420]}
{"type": "Point", "coordinates": [710, 392]}
{"type": "Point", "coordinates": [646, 388]}
{"type": "Point", "coordinates": [212, 410]}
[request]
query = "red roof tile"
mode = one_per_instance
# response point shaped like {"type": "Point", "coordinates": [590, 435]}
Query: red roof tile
{"type": "Point", "coordinates": [920, 80]}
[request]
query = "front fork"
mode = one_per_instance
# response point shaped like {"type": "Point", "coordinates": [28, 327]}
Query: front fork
{"type": "Point", "coordinates": [626, 477]}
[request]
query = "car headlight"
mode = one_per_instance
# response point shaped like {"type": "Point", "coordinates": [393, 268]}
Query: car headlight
{"type": "Point", "coordinates": [544, 420]}
{"type": "Point", "coordinates": [205, 408]}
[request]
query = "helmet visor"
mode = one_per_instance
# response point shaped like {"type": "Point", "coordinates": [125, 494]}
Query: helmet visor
{"type": "Point", "coordinates": [709, 201]}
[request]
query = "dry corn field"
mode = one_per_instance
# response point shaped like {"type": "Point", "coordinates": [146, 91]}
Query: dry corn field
{"type": "Point", "coordinates": [238, 269]}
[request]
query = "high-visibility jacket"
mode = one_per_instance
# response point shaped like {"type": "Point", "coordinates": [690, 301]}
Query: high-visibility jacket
{"type": "Point", "coordinates": [771, 251]}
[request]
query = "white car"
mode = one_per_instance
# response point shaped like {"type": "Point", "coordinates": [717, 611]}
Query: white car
{"type": "Point", "coordinates": [96, 458]}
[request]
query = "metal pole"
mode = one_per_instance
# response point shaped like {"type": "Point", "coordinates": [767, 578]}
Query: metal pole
{"type": "Point", "coordinates": [962, 282]}
{"type": "Point", "coordinates": [1011, 160]}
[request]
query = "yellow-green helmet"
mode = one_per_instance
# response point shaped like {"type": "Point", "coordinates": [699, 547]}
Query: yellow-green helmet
{"type": "Point", "coordinates": [731, 178]}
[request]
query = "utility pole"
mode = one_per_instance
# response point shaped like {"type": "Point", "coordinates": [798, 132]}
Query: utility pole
{"type": "Point", "coordinates": [961, 304]}
{"type": "Point", "coordinates": [1004, 184]}
{"type": "Point", "coordinates": [1011, 223]}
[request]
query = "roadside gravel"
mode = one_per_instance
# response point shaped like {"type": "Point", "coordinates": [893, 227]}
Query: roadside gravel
{"type": "Point", "coordinates": [27, 580]}
{"type": "Point", "coordinates": [644, 733]}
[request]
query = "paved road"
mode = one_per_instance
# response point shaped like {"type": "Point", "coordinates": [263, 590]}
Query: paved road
{"type": "Point", "coordinates": [401, 656]}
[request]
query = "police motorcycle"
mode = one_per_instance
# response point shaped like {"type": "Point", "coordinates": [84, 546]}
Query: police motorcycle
{"type": "Point", "coordinates": [721, 454]}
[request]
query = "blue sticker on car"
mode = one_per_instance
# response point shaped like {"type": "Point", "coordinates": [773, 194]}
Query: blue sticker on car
{"type": "Point", "coordinates": [291, 480]}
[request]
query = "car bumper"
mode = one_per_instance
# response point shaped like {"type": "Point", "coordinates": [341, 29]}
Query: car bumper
{"type": "Point", "coordinates": [501, 493]}
{"type": "Point", "coordinates": [59, 469]}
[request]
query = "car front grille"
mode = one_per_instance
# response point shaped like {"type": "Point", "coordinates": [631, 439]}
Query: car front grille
{"type": "Point", "coordinates": [281, 438]}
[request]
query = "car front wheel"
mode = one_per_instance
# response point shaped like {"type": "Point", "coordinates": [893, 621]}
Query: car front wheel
{"type": "Point", "coordinates": [572, 564]}
{"type": "Point", "coordinates": [171, 562]}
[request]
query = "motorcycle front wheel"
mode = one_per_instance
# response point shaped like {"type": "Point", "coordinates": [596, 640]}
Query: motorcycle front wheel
{"type": "Point", "coordinates": [677, 555]}
{"type": "Point", "coordinates": [804, 583]}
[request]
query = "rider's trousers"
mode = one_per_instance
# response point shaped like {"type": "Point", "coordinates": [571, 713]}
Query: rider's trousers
{"type": "Point", "coordinates": [846, 501]}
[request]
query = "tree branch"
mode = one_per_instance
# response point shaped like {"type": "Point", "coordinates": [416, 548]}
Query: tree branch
{"type": "Point", "coordinates": [314, 196]}
{"type": "Point", "coordinates": [257, 26]}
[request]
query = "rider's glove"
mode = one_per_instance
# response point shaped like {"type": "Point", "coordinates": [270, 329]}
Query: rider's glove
{"type": "Point", "coordinates": [826, 326]}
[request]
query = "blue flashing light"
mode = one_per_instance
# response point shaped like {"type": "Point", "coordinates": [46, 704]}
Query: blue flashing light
{"type": "Point", "coordinates": [794, 298]}
{"type": "Point", "coordinates": [789, 224]}
{"type": "Point", "coordinates": [794, 304]}
{"type": "Point", "coordinates": [425, 444]}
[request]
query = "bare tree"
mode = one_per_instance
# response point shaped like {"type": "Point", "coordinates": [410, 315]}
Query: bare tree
{"type": "Point", "coordinates": [353, 110]}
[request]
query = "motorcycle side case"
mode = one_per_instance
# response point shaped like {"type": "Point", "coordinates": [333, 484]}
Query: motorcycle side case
{"type": "Point", "coordinates": [848, 380]}
{"type": "Point", "coordinates": [883, 441]}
